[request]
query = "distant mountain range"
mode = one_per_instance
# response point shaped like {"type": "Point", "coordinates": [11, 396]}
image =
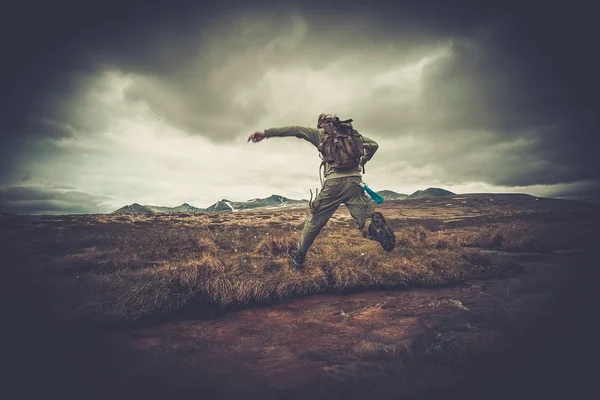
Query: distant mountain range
{"type": "Point", "coordinates": [270, 203]}
{"type": "Point", "coordinates": [274, 202]}
{"type": "Point", "coordinates": [419, 194]}
{"type": "Point", "coordinates": [136, 208]}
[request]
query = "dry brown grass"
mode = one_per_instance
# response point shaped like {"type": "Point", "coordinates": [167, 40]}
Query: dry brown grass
{"type": "Point", "coordinates": [127, 267]}
{"type": "Point", "coordinates": [525, 236]}
{"type": "Point", "coordinates": [420, 237]}
{"type": "Point", "coordinates": [274, 246]}
{"type": "Point", "coordinates": [157, 272]}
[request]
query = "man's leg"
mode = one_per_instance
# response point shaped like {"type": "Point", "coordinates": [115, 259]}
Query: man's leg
{"type": "Point", "coordinates": [372, 224]}
{"type": "Point", "coordinates": [360, 208]}
{"type": "Point", "coordinates": [312, 227]}
{"type": "Point", "coordinates": [323, 208]}
{"type": "Point", "coordinates": [380, 231]}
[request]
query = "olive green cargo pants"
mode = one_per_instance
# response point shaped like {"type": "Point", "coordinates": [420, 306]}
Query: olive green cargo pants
{"type": "Point", "coordinates": [336, 191]}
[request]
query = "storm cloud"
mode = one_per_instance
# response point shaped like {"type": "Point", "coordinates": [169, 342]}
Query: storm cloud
{"type": "Point", "coordinates": [152, 104]}
{"type": "Point", "coordinates": [49, 200]}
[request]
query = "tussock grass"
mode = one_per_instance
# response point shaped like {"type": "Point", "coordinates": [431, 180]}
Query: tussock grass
{"type": "Point", "coordinates": [274, 246]}
{"type": "Point", "coordinates": [421, 237]}
{"type": "Point", "coordinates": [197, 271]}
{"type": "Point", "coordinates": [108, 268]}
{"type": "Point", "coordinates": [525, 236]}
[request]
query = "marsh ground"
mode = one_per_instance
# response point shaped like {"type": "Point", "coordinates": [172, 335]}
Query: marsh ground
{"type": "Point", "coordinates": [484, 295]}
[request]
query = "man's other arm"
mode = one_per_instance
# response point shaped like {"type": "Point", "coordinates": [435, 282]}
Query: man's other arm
{"type": "Point", "coordinates": [370, 148]}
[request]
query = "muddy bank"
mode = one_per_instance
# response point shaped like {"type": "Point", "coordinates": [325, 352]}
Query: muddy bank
{"type": "Point", "coordinates": [372, 344]}
{"type": "Point", "coordinates": [526, 336]}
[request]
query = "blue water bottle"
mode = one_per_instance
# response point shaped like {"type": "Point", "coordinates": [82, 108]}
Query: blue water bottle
{"type": "Point", "coordinates": [376, 198]}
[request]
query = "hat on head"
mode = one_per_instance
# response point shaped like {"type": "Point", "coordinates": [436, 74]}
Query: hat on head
{"type": "Point", "coordinates": [324, 118]}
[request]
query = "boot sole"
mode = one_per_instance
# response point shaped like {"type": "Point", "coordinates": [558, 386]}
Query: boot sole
{"type": "Point", "coordinates": [385, 236]}
{"type": "Point", "coordinates": [292, 259]}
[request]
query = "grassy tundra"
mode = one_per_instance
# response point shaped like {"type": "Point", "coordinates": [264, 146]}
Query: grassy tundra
{"type": "Point", "coordinates": [126, 267]}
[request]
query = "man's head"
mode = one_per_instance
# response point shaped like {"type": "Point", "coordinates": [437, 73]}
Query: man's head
{"type": "Point", "coordinates": [324, 118]}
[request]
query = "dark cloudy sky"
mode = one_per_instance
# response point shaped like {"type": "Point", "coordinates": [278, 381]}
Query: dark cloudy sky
{"type": "Point", "coordinates": [109, 103]}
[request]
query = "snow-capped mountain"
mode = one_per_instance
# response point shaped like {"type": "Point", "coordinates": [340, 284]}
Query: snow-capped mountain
{"type": "Point", "coordinates": [273, 202]}
{"type": "Point", "coordinates": [270, 203]}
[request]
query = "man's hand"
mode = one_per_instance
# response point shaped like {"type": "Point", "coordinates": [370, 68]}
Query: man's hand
{"type": "Point", "coordinates": [256, 136]}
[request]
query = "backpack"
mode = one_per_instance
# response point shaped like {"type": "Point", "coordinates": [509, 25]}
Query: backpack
{"type": "Point", "coordinates": [341, 146]}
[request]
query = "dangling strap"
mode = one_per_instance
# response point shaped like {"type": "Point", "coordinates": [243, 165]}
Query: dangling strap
{"type": "Point", "coordinates": [310, 202]}
{"type": "Point", "coordinates": [362, 163]}
{"type": "Point", "coordinates": [322, 167]}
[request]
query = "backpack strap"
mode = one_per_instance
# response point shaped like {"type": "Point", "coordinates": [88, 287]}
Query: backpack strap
{"type": "Point", "coordinates": [321, 168]}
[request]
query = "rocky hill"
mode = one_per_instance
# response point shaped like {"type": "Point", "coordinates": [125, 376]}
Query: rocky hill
{"type": "Point", "coordinates": [185, 207]}
{"type": "Point", "coordinates": [391, 195]}
{"type": "Point", "coordinates": [428, 193]}
{"type": "Point", "coordinates": [134, 208]}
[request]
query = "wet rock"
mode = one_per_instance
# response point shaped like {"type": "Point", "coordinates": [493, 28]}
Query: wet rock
{"type": "Point", "coordinates": [448, 302]}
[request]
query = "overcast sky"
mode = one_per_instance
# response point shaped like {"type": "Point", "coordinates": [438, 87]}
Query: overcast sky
{"type": "Point", "coordinates": [107, 104]}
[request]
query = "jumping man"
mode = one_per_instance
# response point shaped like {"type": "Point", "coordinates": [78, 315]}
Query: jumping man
{"type": "Point", "coordinates": [344, 153]}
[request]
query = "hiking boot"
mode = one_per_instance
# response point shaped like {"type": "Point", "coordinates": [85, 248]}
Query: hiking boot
{"type": "Point", "coordinates": [379, 231]}
{"type": "Point", "coordinates": [296, 256]}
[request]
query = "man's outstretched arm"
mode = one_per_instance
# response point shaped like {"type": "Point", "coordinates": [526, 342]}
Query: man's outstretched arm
{"type": "Point", "coordinates": [309, 134]}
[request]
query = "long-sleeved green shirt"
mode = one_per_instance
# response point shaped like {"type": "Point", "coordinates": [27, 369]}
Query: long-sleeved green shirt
{"type": "Point", "coordinates": [312, 135]}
